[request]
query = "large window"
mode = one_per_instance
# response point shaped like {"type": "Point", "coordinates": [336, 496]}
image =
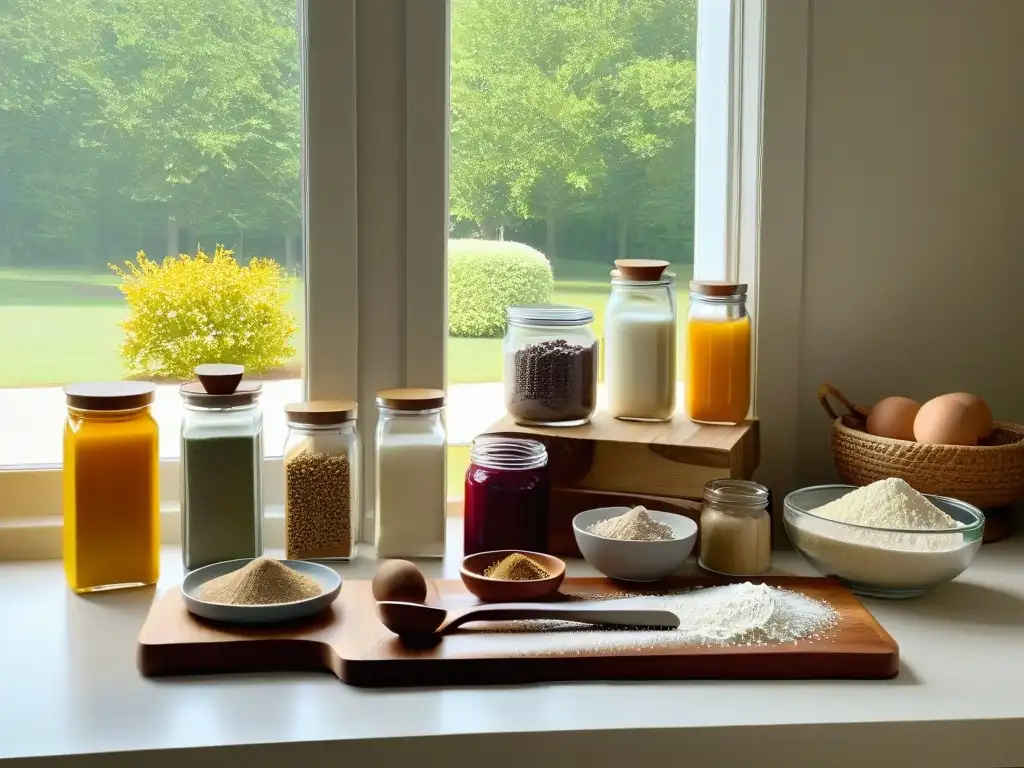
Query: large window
{"type": "Point", "coordinates": [345, 145]}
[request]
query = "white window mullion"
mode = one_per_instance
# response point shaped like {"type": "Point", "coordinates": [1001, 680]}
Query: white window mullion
{"type": "Point", "coordinates": [427, 58]}
{"type": "Point", "coordinates": [328, 35]}
{"type": "Point", "coordinates": [771, 253]}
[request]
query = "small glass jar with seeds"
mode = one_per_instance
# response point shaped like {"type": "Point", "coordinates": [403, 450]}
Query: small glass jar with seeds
{"type": "Point", "coordinates": [321, 472]}
{"type": "Point", "coordinates": [551, 358]}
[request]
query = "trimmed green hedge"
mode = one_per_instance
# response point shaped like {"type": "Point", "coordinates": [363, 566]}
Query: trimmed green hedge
{"type": "Point", "coordinates": [485, 277]}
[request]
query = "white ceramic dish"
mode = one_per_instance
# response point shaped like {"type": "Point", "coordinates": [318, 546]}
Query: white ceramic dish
{"type": "Point", "coordinates": [634, 560]}
{"type": "Point", "coordinates": [327, 578]}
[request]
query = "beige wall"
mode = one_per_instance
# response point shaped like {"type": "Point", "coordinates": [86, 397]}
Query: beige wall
{"type": "Point", "coordinates": [914, 219]}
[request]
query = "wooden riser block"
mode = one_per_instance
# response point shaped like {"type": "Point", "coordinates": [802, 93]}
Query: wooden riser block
{"type": "Point", "coordinates": [606, 463]}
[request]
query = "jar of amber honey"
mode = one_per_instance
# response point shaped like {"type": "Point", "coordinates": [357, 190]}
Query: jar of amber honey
{"type": "Point", "coordinates": [718, 362]}
{"type": "Point", "coordinates": [111, 497]}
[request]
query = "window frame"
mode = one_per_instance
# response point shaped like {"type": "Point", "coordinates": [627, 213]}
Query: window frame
{"type": "Point", "coordinates": [374, 181]}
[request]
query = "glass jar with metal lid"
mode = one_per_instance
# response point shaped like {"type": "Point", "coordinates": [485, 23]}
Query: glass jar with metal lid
{"type": "Point", "coordinates": [411, 475]}
{"type": "Point", "coordinates": [735, 528]}
{"type": "Point", "coordinates": [506, 496]}
{"type": "Point", "coordinates": [550, 362]}
{"type": "Point", "coordinates": [718, 347]}
{"type": "Point", "coordinates": [321, 469]}
{"type": "Point", "coordinates": [111, 499]}
{"type": "Point", "coordinates": [221, 467]}
{"type": "Point", "coordinates": [640, 341]}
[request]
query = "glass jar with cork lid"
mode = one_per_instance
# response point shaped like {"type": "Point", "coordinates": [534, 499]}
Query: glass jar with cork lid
{"type": "Point", "coordinates": [735, 528]}
{"type": "Point", "coordinates": [221, 467]}
{"type": "Point", "coordinates": [640, 341]}
{"type": "Point", "coordinates": [110, 490]}
{"type": "Point", "coordinates": [321, 476]}
{"type": "Point", "coordinates": [718, 348]}
{"type": "Point", "coordinates": [550, 359]}
{"type": "Point", "coordinates": [411, 487]}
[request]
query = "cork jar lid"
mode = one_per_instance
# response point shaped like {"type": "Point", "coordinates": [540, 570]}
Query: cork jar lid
{"type": "Point", "coordinates": [220, 385]}
{"type": "Point", "coordinates": [719, 288]}
{"type": "Point", "coordinates": [321, 412]}
{"type": "Point", "coordinates": [109, 395]}
{"type": "Point", "coordinates": [641, 270]}
{"type": "Point", "coordinates": [410, 399]}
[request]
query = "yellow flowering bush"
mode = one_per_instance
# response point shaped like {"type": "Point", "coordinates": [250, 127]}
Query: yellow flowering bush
{"type": "Point", "coordinates": [189, 310]}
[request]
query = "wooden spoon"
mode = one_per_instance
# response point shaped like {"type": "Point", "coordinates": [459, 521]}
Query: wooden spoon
{"type": "Point", "coordinates": [415, 619]}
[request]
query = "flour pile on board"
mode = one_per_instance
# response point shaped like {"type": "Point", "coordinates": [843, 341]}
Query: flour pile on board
{"type": "Point", "coordinates": [731, 615]}
{"type": "Point", "coordinates": [752, 614]}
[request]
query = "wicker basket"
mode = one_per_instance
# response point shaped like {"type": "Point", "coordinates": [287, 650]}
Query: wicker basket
{"type": "Point", "coordinates": [987, 476]}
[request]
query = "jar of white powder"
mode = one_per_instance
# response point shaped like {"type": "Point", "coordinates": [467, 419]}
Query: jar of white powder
{"type": "Point", "coordinates": [735, 528]}
{"type": "Point", "coordinates": [410, 476]}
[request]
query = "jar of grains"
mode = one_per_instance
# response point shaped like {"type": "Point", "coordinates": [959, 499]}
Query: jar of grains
{"type": "Point", "coordinates": [411, 478]}
{"type": "Point", "coordinates": [321, 476]}
{"type": "Point", "coordinates": [506, 495]}
{"type": "Point", "coordinates": [735, 528]}
{"type": "Point", "coordinates": [111, 501]}
{"type": "Point", "coordinates": [221, 467]}
{"type": "Point", "coordinates": [550, 360]}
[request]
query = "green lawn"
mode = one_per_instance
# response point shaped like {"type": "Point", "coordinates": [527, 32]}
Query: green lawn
{"type": "Point", "coordinates": [57, 327]}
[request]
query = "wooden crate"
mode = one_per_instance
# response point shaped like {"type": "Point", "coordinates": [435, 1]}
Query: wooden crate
{"type": "Point", "coordinates": [609, 462]}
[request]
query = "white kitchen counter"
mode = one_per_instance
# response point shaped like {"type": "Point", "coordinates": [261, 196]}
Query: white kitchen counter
{"type": "Point", "coordinates": [69, 687]}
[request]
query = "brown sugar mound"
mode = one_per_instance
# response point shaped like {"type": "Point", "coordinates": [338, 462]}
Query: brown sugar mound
{"type": "Point", "coordinates": [516, 567]}
{"type": "Point", "coordinates": [264, 581]}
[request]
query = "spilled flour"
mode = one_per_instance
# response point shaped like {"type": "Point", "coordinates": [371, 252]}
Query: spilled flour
{"type": "Point", "coordinates": [732, 615]}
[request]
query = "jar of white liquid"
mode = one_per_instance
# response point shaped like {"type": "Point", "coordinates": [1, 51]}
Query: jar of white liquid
{"type": "Point", "coordinates": [410, 477]}
{"type": "Point", "coordinates": [640, 342]}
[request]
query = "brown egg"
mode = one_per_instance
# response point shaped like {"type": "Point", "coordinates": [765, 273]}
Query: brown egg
{"type": "Point", "coordinates": [893, 417]}
{"type": "Point", "coordinates": [399, 580]}
{"type": "Point", "coordinates": [981, 414]}
{"type": "Point", "coordinates": [945, 420]}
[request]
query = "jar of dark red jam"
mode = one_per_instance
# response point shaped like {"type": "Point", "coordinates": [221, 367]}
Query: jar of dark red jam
{"type": "Point", "coordinates": [506, 495]}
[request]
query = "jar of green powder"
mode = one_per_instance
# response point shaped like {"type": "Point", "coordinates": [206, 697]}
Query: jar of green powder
{"type": "Point", "coordinates": [221, 467]}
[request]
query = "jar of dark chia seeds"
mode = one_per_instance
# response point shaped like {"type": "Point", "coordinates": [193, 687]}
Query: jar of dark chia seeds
{"type": "Point", "coordinates": [321, 473]}
{"type": "Point", "coordinates": [550, 356]}
{"type": "Point", "coordinates": [221, 467]}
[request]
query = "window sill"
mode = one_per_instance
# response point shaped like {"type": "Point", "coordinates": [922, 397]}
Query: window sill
{"type": "Point", "coordinates": [80, 650]}
{"type": "Point", "coordinates": [39, 537]}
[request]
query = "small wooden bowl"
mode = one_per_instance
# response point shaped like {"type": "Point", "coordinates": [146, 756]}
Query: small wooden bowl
{"type": "Point", "coordinates": [507, 591]}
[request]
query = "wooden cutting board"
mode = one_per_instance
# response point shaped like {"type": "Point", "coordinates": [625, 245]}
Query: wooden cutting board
{"type": "Point", "coordinates": [351, 642]}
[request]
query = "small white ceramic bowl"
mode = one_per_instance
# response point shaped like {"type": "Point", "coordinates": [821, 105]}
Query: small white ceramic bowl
{"type": "Point", "coordinates": [634, 560]}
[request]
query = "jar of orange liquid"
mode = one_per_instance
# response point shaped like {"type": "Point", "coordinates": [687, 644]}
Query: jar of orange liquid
{"type": "Point", "coordinates": [111, 497]}
{"type": "Point", "coordinates": [717, 353]}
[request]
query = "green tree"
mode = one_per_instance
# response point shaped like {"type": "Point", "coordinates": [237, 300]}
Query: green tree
{"type": "Point", "coordinates": [124, 115]}
{"type": "Point", "coordinates": [574, 109]}
{"type": "Point", "coordinates": [206, 98]}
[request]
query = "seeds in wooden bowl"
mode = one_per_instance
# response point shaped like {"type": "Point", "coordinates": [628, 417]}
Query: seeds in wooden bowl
{"type": "Point", "coordinates": [516, 567]}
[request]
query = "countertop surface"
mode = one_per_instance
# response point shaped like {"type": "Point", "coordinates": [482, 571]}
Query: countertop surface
{"type": "Point", "coordinates": [70, 688]}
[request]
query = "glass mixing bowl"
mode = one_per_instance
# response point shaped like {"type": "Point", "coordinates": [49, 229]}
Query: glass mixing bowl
{"type": "Point", "coordinates": [882, 562]}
